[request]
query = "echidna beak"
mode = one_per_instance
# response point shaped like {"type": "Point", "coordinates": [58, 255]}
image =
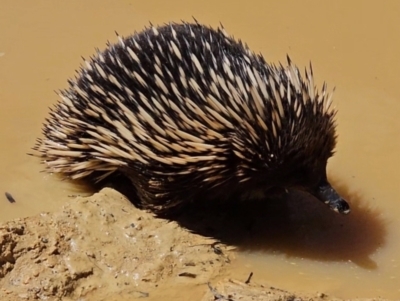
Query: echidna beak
{"type": "Point", "coordinates": [330, 197]}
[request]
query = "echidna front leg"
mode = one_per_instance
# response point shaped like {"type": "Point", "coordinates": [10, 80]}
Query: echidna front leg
{"type": "Point", "coordinates": [159, 193]}
{"type": "Point", "coordinates": [153, 195]}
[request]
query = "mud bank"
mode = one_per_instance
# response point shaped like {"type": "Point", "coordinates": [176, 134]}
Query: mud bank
{"type": "Point", "coordinates": [103, 248]}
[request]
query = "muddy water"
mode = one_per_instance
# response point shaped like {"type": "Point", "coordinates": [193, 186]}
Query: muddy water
{"type": "Point", "coordinates": [353, 46]}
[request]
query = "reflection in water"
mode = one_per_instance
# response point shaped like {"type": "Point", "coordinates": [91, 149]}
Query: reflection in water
{"type": "Point", "coordinates": [296, 225]}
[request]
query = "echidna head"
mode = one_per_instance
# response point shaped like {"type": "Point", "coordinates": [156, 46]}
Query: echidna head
{"type": "Point", "coordinates": [308, 173]}
{"type": "Point", "coordinates": [301, 164]}
{"type": "Point", "coordinates": [311, 177]}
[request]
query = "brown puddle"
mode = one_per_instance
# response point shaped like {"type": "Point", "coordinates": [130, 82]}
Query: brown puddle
{"type": "Point", "coordinates": [298, 246]}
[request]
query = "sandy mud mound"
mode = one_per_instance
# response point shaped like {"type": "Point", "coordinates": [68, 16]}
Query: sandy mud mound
{"type": "Point", "coordinates": [101, 247]}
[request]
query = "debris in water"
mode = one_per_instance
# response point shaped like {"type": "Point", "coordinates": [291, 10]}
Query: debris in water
{"type": "Point", "coordinates": [10, 198]}
{"type": "Point", "coordinates": [249, 278]}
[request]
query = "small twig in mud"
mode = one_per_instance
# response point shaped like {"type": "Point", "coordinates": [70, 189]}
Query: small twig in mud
{"type": "Point", "coordinates": [143, 294]}
{"type": "Point", "coordinates": [186, 274]}
{"type": "Point", "coordinates": [217, 250]}
{"type": "Point", "coordinates": [218, 296]}
{"type": "Point", "coordinates": [249, 278]}
{"type": "Point", "coordinates": [10, 197]}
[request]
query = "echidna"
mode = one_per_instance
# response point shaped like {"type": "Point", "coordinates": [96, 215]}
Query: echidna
{"type": "Point", "coordinates": [188, 113]}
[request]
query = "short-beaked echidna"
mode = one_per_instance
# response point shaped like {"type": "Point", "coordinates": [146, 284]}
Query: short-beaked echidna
{"type": "Point", "coordinates": [188, 113]}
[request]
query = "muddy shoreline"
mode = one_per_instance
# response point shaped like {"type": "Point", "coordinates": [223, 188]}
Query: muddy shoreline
{"type": "Point", "coordinates": [103, 248]}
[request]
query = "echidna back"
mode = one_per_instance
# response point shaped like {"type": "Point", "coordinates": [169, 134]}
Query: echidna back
{"type": "Point", "coordinates": [184, 106]}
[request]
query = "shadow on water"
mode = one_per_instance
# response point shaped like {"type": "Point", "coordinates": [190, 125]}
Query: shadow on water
{"type": "Point", "coordinates": [296, 225]}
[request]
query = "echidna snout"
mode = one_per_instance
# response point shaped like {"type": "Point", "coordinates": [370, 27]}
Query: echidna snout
{"type": "Point", "coordinates": [324, 192]}
{"type": "Point", "coordinates": [313, 180]}
{"type": "Point", "coordinates": [188, 113]}
{"type": "Point", "coordinates": [327, 194]}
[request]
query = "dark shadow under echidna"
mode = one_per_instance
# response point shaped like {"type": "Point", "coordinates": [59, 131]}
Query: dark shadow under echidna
{"type": "Point", "coordinates": [190, 114]}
